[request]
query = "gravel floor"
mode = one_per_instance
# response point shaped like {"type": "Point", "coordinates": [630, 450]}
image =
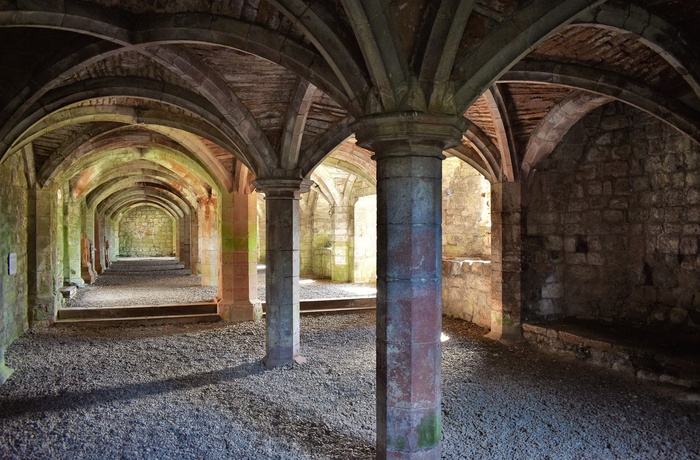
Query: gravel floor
{"type": "Point", "coordinates": [161, 280]}
{"type": "Point", "coordinates": [200, 391]}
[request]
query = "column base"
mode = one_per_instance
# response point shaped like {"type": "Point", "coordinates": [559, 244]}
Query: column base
{"type": "Point", "coordinates": [244, 310]}
{"type": "Point", "coordinates": [430, 454]}
{"type": "Point", "coordinates": [75, 282]}
{"type": "Point", "coordinates": [272, 363]}
{"type": "Point", "coordinates": [5, 372]}
{"type": "Point", "coordinates": [506, 335]}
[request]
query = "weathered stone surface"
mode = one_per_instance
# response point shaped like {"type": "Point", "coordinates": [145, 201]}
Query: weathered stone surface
{"type": "Point", "coordinates": [146, 231]}
{"type": "Point", "coordinates": [630, 246]}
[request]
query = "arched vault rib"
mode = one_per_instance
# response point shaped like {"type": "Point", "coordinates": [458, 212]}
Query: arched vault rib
{"type": "Point", "coordinates": [156, 204]}
{"type": "Point", "coordinates": [654, 32]}
{"type": "Point", "coordinates": [185, 169]}
{"type": "Point", "coordinates": [129, 87]}
{"type": "Point", "coordinates": [520, 34]}
{"type": "Point", "coordinates": [121, 202]}
{"type": "Point", "coordinates": [135, 170]}
{"type": "Point", "coordinates": [246, 37]}
{"type": "Point", "coordinates": [189, 67]}
{"type": "Point", "coordinates": [122, 187]}
{"type": "Point", "coordinates": [95, 153]}
{"type": "Point", "coordinates": [380, 45]}
{"type": "Point", "coordinates": [554, 126]}
{"type": "Point", "coordinates": [440, 49]}
{"type": "Point", "coordinates": [51, 75]}
{"type": "Point", "coordinates": [616, 86]}
{"type": "Point", "coordinates": [295, 120]}
{"type": "Point", "coordinates": [326, 184]}
{"type": "Point", "coordinates": [485, 148]}
{"type": "Point", "coordinates": [154, 136]}
{"type": "Point", "coordinates": [332, 48]}
{"type": "Point", "coordinates": [181, 190]}
{"type": "Point", "coordinates": [128, 29]}
{"type": "Point", "coordinates": [324, 144]}
{"type": "Point", "coordinates": [172, 125]}
{"type": "Point", "coordinates": [504, 133]}
{"type": "Point", "coordinates": [474, 159]}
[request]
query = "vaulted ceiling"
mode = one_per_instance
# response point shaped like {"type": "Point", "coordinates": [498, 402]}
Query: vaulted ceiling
{"type": "Point", "coordinates": [224, 87]}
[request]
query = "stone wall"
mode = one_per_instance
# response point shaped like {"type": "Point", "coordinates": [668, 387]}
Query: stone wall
{"type": "Point", "coordinates": [466, 218]}
{"type": "Point", "coordinates": [14, 198]}
{"type": "Point", "coordinates": [262, 228]}
{"type": "Point", "coordinates": [613, 223]}
{"type": "Point", "coordinates": [306, 243]}
{"type": "Point", "coordinates": [466, 243]}
{"type": "Point", "coordinates": [146, 231]}
{"type": "Point", "coordinates": [365, 233]}
{"type": "Point", "coordinates": [322, 229]}
{"type": "Point", "coordinates": [466, 290]}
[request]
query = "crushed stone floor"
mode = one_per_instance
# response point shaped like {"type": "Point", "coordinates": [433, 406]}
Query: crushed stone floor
{"type": "Point", "coordinates": [200, 391]}
{"type": "Point", "coordinates": [161, 280]}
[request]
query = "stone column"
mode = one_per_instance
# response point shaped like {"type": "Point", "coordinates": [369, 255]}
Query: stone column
{"type": "Point", "coordinates": [72, 248]}
{"type": "Point", "coordinates": [208, 251]}
{"type": "Point", "coordinates": [41, 259]}
{"type": "Point", "coordinates": [341, 256]}
{"type": "Point", "coordinates": [506, 268]}
{"type": "Point", "coordinates": [282, 274]}
{"type": "Point", "coordinates": [238, 282]}
{"type": "Point", "coordinates": [408, 151]}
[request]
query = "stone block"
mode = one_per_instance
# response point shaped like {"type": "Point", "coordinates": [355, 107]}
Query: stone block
{"type": "Point", "coordinates": [688, 245]}
{"type": "Point", "coordinates": [668, 244]}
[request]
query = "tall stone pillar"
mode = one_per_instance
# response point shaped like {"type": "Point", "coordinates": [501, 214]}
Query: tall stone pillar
{"type": "Point", "coordinates": [282, 274]}
{"type": "Point", "coordinates": [208, 242]}
{"type": "Point", "coordinates": [73, 243]}
{"type": "Point", "coordinates": [408, 151]}
{"type": "Point", "coordinates": [238, 283]}
{"type": "Point", "coordinates": [341, 255]}
{"type": "Point", "coordinates": [506, 265]}
{"type": "Point", "coordinates": [41, 259]}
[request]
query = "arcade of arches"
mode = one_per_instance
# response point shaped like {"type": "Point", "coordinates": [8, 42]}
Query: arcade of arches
{"type": "Point", "coordinates": [501, 162]}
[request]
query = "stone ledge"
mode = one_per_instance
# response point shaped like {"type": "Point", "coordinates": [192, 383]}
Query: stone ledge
{"type": "Point", "coordinates": [581, 340]}
{"type": "Point", "coordinates": [68, 292]}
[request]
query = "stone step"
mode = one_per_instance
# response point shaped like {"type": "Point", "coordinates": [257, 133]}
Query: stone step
{"type": "Point", "coordinates": [137, 311]}
{"type": "Point", "coordinates": [138, 320]}
{"type": "Point", "coordinates": [335, 306]}
{"type": "Point", "coordinates": [669, 358]}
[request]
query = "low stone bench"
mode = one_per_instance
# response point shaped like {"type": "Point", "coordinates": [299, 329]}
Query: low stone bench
{"type": "Point", "coordinates": [647, 355]}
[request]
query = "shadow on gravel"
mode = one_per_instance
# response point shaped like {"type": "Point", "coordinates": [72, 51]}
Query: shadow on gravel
{"type": "Point", "coordinates": [71, 400]}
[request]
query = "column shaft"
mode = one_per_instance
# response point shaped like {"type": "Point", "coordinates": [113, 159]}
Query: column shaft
{"type": "Point", "coordinates": [282, 273]}
{"type": "Point", "coordinates": [409, 158]}
{"type": "Point", "coordinates": [238, 286]}
{"type": "Point", "coordinates": [409, 306]}
{"type": "Point", "coordinates": [506, 265]}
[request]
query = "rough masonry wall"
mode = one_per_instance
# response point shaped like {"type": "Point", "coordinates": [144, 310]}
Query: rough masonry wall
{"type": "Point", "coordinates": [322, 239]}
{"type": "Point", "coordinates": [13, 239]}
{"type": "Point", "coordinates": [466, 243]}
{"type": "Point", "coordinates": [613, 224]}
{"type": "Point", "coordinates": [365, 233]}
{"type": "Point", "coordinates": [262, 228]}
{"type": "Point", "coordinates": [466, 219]}
{"type": "Point", "coordinates": [306, 240]}
{"type": "Point", "coordinates": [146, 231]}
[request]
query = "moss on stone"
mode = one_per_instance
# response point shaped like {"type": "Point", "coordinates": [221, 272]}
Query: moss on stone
{"type": "Point", "coordinates": [429, 430]}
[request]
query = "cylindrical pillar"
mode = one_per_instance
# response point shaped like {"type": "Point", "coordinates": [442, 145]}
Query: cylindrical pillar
{"type": "Point", "coordinates": [282, 273]}
{"type": "Point", "coordinates": [409, 278]}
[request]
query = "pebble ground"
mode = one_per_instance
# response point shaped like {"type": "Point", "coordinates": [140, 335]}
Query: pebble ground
{"type": "Point", "coordinates": [200, 391]}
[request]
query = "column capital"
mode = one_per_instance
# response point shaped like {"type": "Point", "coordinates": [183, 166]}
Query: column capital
{"type": "Point", "coordinates": [409, 133]}
{"type": "Point", "coordinates": [283, 188]}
